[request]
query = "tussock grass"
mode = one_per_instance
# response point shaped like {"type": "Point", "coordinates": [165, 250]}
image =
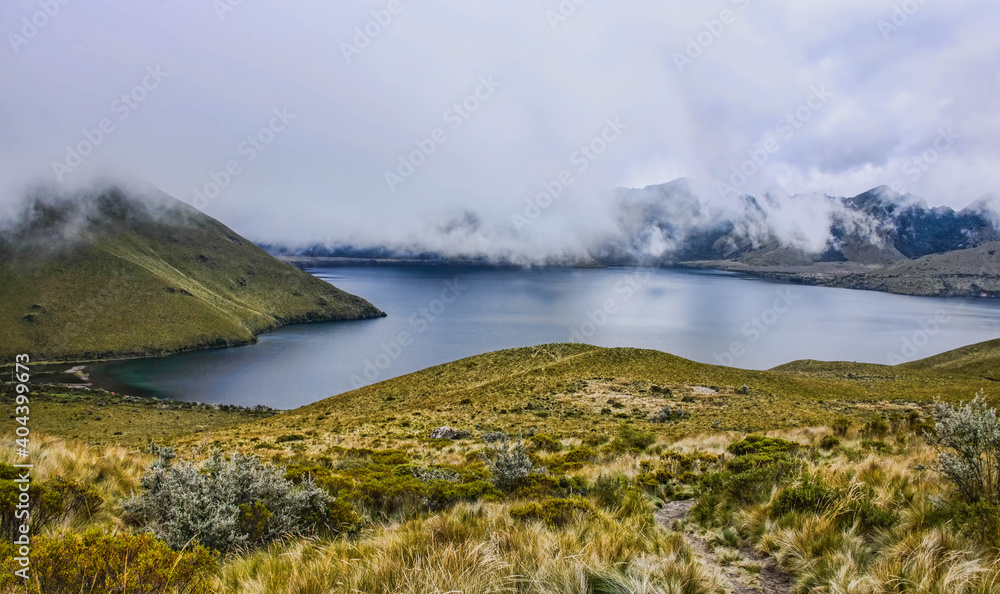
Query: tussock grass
{"type": "Point", "coordinates": [111, 471]}
{"type": "Point", "coordinates": [838, 550]}
{"type": "Point", "coordinates": [478, 548]}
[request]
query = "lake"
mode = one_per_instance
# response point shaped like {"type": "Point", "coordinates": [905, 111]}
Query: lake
{"type": "Point", "coordinates": [440, 314]}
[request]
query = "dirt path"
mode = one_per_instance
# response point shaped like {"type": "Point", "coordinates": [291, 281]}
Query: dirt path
{"type": "Point", "coordinates": [771, 579]}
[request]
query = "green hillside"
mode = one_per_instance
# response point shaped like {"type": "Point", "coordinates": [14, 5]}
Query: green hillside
{"type": "Point", "coordinates": [111, 275]}
{"type": "Point", "coordinates": [845, 464]}
{"type": "Point", "coordinates": [572, 391]}
{"type": "Point", "coordinates": [981, 360]}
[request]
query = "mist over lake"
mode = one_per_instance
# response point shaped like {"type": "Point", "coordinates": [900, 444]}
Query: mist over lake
{"type": "Point", "coordinates": [440, 314]}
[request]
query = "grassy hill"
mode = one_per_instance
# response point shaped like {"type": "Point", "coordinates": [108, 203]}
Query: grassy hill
{"type": "Point", "coordinates": [841, 496]}
{"type": "Point", "coordinates": [578, 391]}
{"type": "Point", "coordinates": [111, 275]}
{"type": "Point", "coordinates": [981, 360]}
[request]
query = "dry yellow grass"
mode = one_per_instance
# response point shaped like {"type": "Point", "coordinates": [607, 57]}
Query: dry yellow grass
{"type": "Point", "coordinates": [479, 549]}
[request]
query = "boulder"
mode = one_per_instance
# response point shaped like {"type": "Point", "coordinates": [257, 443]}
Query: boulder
{"type": "Point", "coordinates": [448, 433]}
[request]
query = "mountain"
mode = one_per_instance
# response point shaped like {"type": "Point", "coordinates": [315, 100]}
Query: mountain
{"type": "Point", "coordinates": [879, 226]}
{"type": "Point", "coordinates": [973, 272]}
{"type": "Point", "coordinates": [113, 274]}
{"type": "Point", "coordinates": [865, 241]}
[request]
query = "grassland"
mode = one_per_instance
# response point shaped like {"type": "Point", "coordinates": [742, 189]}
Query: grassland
{"type": "Point", "coordinates": [110, 275]}
{"type": "Point", "coordinates": [843, 499]}
{"type": "Point", "coordinates": [577, 392]}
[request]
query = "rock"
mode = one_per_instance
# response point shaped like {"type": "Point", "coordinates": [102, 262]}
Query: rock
{"type": "Point", "coordinates": [448, 433]}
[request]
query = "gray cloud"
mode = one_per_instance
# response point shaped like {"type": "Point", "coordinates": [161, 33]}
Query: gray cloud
{"type": "Point", "coordinates": [323, 177]}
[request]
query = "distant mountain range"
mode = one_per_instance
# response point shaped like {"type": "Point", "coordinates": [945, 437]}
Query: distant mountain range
{"type": "Point", "coordinates": [806, 238]}
{"type": "Point", "coordinates": [879, 226]}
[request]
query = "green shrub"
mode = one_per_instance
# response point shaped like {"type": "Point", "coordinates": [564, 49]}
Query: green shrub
{"type": "Point", "coordinates": [508, 463]}
{"type": "Point", "coordinates": [579, 456]}
{"type": "Point", "coordinates": [870, 517]}
{"type": "Point", "coordinates": [534, 486]}
{"type": "Point", "coordinates": [50, 502]}
{"type": "Point", "coordinates": [668, 414]}
{"type": "Point", "coordinates": [443, 494]}
{"type": "Point", "coordinates": [876, 445]}
{"type": "Point", "coordinates": [554, 512]}
{"type": "Point", "coordinates": [758, 444]}
{"type": "Point", "coordinates": [545, 443]}
{"type": "Point", "coordinates": [225, 503]}
{"type": "Point", "coordinates": [289, 437]}
{"type": "Point", "coordinates": [979, 520]}
{"type": "Point", "coordinates": [829, 442]}
{"type": "Point", "coordinates": [809, 496]}
{"type": "Point", "coordinates": [748, 462]}
{"type": "Point", "coordinates": [755, 484]}
{"type": "Point", "coordinates": [876, 428]}
{"type": "Point", "coordinates": [841, 426]}
{"type": "Point", "coordinates": [390, 457]}
{"type": "Point", "coordinates": [96, 563]}
{"type": "Point", "coordinates": [968, 444]}
{"type": "Point", "coordinates": [609, 491]}
{"type": "Point", "coordinates": [630, 439]}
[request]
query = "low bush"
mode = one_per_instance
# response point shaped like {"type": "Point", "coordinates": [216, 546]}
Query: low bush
{"type": "Point", "coordinates": [829, 442]}
{"type": "Point", "coordinates": [809, 496]}
{"type": "Point", "coordinates": [239, 502]}
{"type": "Point", "coordinates": [289, 437]}
{"type": "Point", "coordinates": [544, 443]}
{"type": "Point", "coordinates": [758, 444]}
{"type": "Point", "coordinates": [579, 456]}
{"type": "Point", "coordinates": [668, 415]}
{"type": "Point", "coordinates": [609, 491]}
{"type": "Point", "coordinates": [841, 426]}
{"type": "Point", "coordinates": [630, 440]}
{"type": "Point", "coordinates": [508, 463]}
{"type": "Point", "coordinates": [96, 563]}
{"type": "Point", "coordinates": [50, 502]}
{"type": "Point", "coordinates": [980, 521]}
{"type": "Point", "coordinates": [968, 444]}
{"type": "Point", "coordinates": [869, 517]}
{"type": "Point", "coordinates": [554, 512]}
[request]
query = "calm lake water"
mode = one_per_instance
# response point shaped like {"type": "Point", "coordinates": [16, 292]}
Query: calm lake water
{"type": "Point", "coordinates": [440, 314]}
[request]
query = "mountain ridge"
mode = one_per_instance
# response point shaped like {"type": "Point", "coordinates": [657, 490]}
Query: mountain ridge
{"type": "Point", "coordinates": [109, 274]}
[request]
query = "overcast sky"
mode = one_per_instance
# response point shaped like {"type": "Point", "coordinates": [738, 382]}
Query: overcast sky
{"type": "Point", "coordinates": [675, 89]}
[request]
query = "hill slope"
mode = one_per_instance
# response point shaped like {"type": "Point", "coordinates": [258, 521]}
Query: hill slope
{"type": "Point", "coordinates": [110, 275]}
{"type": "Point", "coordinates": [980, 360]}
{"type": "Point", "coordinates": [973, 272]}
{"type": "Point", "coordinates": [573, 390]}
